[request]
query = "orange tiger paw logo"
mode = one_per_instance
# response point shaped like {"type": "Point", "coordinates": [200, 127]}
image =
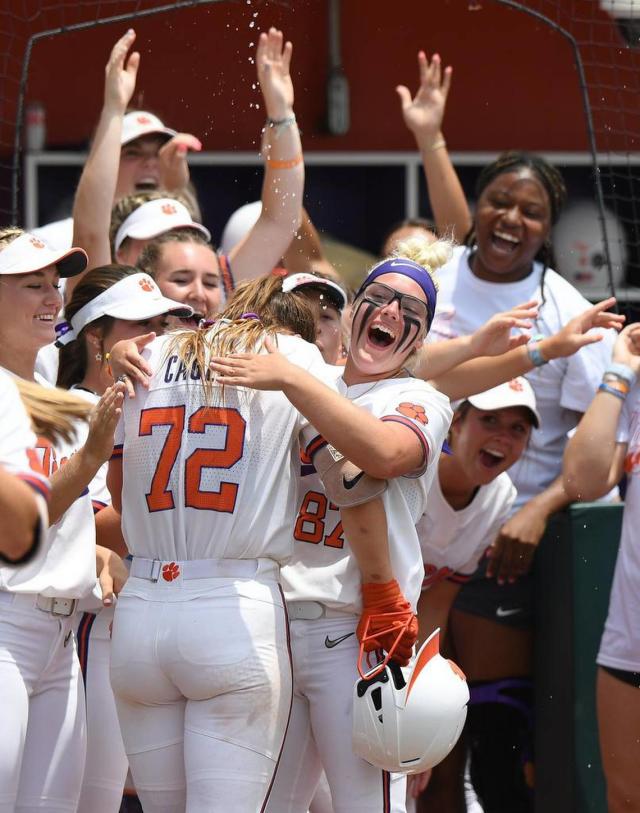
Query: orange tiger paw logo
{"type": "Point", "coordinates": [146, 284]}
{"type": "Point", "coordinates": [168, 209]}
{"type": "Point", "coordinates": [414, 411]}
{"type": "Point", "coordinates": [516, 385]}
{"type": "Point", "coordinates": [36, 243]}
{"type": "Point", "coordinates": [143, 120]}
{"type": "Point", "coordinates": [170, 571]}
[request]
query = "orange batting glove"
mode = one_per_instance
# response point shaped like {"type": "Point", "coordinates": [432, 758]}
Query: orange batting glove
{"type": "Point", "coordinates": [387, 622]}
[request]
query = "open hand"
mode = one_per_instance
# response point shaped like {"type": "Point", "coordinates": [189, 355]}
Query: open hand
{"type": "Point", "coordinates": [574, 335]}
{"type": "Point", "coordinates": [495, 338]}
{"type": "Point", "coordinates": [172, 157]}
{"type": "Point", "coordinates": [103, 420]}
{"type": "Point", "coordinates": [424, 113]}
{"type": "Point", "coordinates": [120, 73]}
{"type": "Point", "coordinates": [127, 363]}
{"type": "Point", "coordinates": [273, 61]}
{"type": "Point", "coordinates": [258, 371]}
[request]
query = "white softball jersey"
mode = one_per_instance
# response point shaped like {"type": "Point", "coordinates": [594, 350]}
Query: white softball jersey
{"type": "Point", "coordinates": [322, 568]}
{"type": "Point", "coordinates": [210, 481]}
{"type": "Point", "coordinates": [454, 541]}
{"type": "Point", "coordinates": [65, 566]}
{"type": "Point", "coordinates": [620, 645]}
{"type": "Point", "coordinates": [564, 387]}
{"type": "Point", "coordinates": [17, 453]}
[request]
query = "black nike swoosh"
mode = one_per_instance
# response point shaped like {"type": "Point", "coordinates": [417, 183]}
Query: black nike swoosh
{"type": "Point", "coordinates": [329, 643]}
{"type": "Point", "coordinates": [349, 484]}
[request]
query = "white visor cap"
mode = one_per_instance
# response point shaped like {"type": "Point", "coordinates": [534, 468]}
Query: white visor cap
{"type": "Point", "coordinates": [514, 393]}
{"type": "Point", "coordinates": [330, 288]}
{"type": "Point", "coordinates": [156, 217]}
{"type": "Point", "coordinates": [133, 298]}
{"type": "Point", "coordinates": [29, 253]}
{"type": "Point", "coordinates": [141, 123]}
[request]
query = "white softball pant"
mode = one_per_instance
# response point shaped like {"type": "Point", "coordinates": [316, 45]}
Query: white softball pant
{"type": "Point", "coordinates": [319, 733]}
{"type": "Point", "coordinates": [106, 765]}
{"type": "Point", "coordinates": [42, 748]}
{"type": "Point", "coordinates": [201, 672]}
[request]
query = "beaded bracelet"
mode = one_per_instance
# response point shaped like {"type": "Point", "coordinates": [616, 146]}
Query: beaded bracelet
{"type": "Point", "coordinates": [437, 145]}
{"type": "Point", "coordinates": [612, 391]}
{"type": "Point", "coordinates": [286, 122]}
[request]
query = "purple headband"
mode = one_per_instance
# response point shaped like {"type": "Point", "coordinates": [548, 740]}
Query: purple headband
{"type": "Point", "coordinates": [416, 272]}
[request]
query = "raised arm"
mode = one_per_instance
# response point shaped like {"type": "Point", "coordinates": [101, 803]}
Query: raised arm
{"type": "Point", "coordinates": [593, 459]}
{"type": "Point", "coordinates": [96, 189]}
{"type": "Point", "coordinates": [283, 184]}
{"type": "Point", "coordinates": [423, 115]}
{"type": "Point", "coordinates": [483, 373]}
{"type": "Point", "coordinates": [494, 338]}
{"type": "Point", "coordinates": [384, 449]}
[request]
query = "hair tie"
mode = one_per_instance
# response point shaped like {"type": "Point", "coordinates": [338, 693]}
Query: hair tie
{"type": "Point", "coordinates": [250, 316]}
{"type": "Point", "coordinates": [203, 324]}
{"type": "Point", "coordinates": [64, 334]}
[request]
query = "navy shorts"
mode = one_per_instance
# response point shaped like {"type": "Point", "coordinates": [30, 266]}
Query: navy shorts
{"type": "Point", "coordinates": [510, 604]}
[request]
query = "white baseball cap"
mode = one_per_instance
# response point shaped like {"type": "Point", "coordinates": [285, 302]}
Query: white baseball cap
{"type": "Point", "coordinates": [29, 253]}
{"type": "Point", "coordinates": [133, 298]}
{"type": "Point", "coordinates": [157, 217]}
{"type": "Point", "coordinates": [330, 288]}
{"type": "Point", "coordinates": [141, 123]}
{"type": "Point", "coordinates": [239, 225]}
{"type": "Point", "coordinates": [514, 393]}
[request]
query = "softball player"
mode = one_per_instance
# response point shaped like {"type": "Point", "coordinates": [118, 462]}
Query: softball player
{"type": "Point", "coordinates": [605, 446]}
{"type": "Point", "coordinates": [24, 490]}
{"type": "Point", "coordinates": [322, 583]}
{"type": "Point", "coordinates": [206, 483]}
{"type": "Point", "coordinates": [109, 304]}
{"type": "Point", "coordinates": [41, 703]}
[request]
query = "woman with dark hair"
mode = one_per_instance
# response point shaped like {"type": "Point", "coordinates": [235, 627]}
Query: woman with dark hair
{"type": "Point", "coordinates": [507, 260]}
{"type": "Point", "coordinates": [111, 303]}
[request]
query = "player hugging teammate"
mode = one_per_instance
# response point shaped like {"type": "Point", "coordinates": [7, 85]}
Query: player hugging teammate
{"type": "Point", "coordinates": [289, 484]}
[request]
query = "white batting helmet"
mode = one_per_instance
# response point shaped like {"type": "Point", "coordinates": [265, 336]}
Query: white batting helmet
{"type": "Point", "coordinates": [409, 718]}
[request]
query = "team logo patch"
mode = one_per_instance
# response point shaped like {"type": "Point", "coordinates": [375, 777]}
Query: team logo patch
{"type": "Point", "coordinates": [414, 411]}
{"type": "Point", "coordinates": [168, 209]}
{"type": "Point", "coordinates": [146, 285]}
{"type": "Point", "coordinates": [170, 571]}
{"type": "Point", "coordinates": [36, 243]}
{"type": "Point", "coordinates": [143, 120]}
{"type": "Point", "coordinates": [632, 461]}
{"type": "Point", "coordinates": [516, 385]}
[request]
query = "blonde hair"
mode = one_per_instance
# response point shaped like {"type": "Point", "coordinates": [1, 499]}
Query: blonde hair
{"type": "Point", "coordinates": [430, 256]}
{"type": "Point", "coordinates": [53, 412]}
{"type": "Point", "coordinates": [236, 330]}
{"type": "Point", "coordinates": [8, 235]}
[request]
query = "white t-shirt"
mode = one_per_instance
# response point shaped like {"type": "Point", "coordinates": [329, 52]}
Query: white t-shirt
{"type": "Point", "coordinates": [66, 565]}
{"type": "Point", "coordinates": [620, 645]}
{"type": "Point", "coordinates": [210, 483]}
{"type": "Point", "coordinates": [322, 568]}
{"type": "Point", "coordinates": [564, 388]}
{"type": "Point", "coordinates": [453, 542]}
{"type": "Point", "coordinates": [17, 453]}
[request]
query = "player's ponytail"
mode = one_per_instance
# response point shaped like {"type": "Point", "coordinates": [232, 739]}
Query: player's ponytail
{"type": "Point", "coordinates": [53, 412]}
{"type": "Point", "coordinates": [257, 309]}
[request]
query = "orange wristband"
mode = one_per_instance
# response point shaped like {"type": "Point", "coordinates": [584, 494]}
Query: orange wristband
{"type": "Point", "coordinates": [275, 164]}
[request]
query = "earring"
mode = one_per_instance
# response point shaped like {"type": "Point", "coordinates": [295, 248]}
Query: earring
{"type": "Point", "coordinates": [98, 356]}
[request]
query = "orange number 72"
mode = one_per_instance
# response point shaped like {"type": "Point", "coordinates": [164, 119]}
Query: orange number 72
{"type": "Point", "coordinates": [160, 497]}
